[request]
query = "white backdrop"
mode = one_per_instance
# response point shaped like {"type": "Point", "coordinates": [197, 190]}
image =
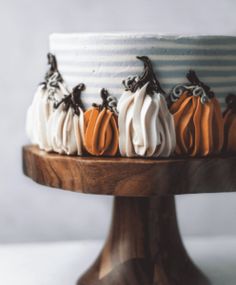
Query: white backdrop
{"type": "Point", "coordinates": [29, 212]}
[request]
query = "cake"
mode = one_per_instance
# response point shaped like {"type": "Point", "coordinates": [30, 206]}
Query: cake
{"type": "Point", "coordinates": [105, 60]}
{"type": "Point", "coordinates": [137, 76]}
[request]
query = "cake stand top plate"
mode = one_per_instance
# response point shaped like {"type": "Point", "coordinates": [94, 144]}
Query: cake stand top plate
{"type": "Point", "coordinates": [130, 176]}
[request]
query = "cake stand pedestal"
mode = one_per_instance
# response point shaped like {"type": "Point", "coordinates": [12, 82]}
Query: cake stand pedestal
{"type": "Point", "coordinates": [144, 246]}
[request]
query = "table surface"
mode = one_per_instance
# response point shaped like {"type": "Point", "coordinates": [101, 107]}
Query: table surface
{"type": "Point", "coordinates": [130, 176]}
{"type": "Point", "coordinates": [61, 263]}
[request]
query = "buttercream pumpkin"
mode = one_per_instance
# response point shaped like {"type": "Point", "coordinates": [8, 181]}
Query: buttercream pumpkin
{"type": "Point", "coordinates": [52, 90]}
{"type": "Point", "coordinates": [101, 131]}
{"type": "Point", "coordinates": [65, 130]}
{"type": "Point", "coordinates": [230, 124]}
{"type": "Point", "coordinates": [198, 120]}
{"type": "Point", "coordinates": [146, 126]}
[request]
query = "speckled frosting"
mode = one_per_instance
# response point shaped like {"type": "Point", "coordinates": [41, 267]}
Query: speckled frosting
{"type": "Point", "coordinates": [104, 60]}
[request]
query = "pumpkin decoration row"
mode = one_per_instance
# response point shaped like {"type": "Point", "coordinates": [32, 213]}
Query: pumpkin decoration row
{"type": "Point", "coordinates": [145, 122]}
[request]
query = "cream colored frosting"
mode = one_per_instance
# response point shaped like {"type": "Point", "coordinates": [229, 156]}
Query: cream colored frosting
{"type": "Point", "coordinates": [146, 127]}
{"type": "Point", "coordinates": [65, 131]}
{"type": "Point", "coordinates": [41, 109]}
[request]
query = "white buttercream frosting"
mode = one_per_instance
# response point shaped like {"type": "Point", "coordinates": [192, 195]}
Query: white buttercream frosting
{"type": "Point", "coordinates": [65, 131]}
{"type": "Point", "coordinates": [41, 109]}
{"type": "Point", "coordinates": [55, 119]}
{"type": "Point", "coordinates": [145, 124]}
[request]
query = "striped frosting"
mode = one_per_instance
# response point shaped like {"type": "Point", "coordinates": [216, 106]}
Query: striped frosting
{"type": "Point", "coordinates": [104, 60]}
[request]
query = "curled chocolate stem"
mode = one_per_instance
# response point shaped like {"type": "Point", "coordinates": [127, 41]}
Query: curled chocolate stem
{"type": "Point", "coordinates": [66, 100]}
{"type": "Point", "coordinates": [148, 76]}
{"type": "Point", "coordinates": [73, 100]}
{"type": "Point", "coordinates": [108, 101]}
{"type": "Point", "coordinates": [76, 96]}
{"type": "Point", "coordinates": [194, 80]}
{"type": "Point", "coordinates": [52, 61]}
{"type": "Point", "coordinates": [104, 95]}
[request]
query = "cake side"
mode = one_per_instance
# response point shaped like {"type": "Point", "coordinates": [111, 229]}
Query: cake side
{"type": "Point", "coordinates": [105, 60]}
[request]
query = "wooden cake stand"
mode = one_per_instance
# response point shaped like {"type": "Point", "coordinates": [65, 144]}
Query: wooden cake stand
{"type": "Point", "coordinates": [144, 246]}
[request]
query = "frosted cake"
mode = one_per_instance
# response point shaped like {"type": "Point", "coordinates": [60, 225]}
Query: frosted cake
{"type": "Point", "coordinates": [135, 95]}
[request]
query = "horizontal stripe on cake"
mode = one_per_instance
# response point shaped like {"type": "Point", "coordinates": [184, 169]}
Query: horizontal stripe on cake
{"type": "Point", "coordinates": [136, 69]}
{"type": "Point", "coordinates": [216, 86]}
{"type": "Point", "coordinates": [164, 80]}
{"type": "Point", "coordinates": [147, 51]}
{"type": "Point", "coordinates": [164, 73]}
{"type": "Point", "coordinates": [129, 58]}
{"type": "Point", "coordinates": [145, 45]}
{"type": "Point", "coordinates": [139, 39]}
{"type": "Point", "coordinates": [161, 62]}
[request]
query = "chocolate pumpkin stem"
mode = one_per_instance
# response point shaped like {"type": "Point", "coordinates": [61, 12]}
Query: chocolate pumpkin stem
{"type": "Point", "coordinates": [66, 100]}
{"type": "Point", "coordinates": [52, 61]}
{"type": "Point", "coordinates": [104, 95]}
{"type": "Point", "coordinates": [136, 82]}
{"type": "Point", "coordinates": [231, 102]}
{"type": "Point", "coordinates": [76, 96]}
{"type": "Point", "coordinates": [73, 99]}
{"type": "Point", "coordinates": [150, 76]}
{"type": "Point", "coordinates": [108, 102]}
{"type": "Point", "coordinates": [194, 79]}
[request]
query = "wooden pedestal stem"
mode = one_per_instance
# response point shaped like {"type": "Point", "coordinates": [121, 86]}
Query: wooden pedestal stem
{"type": "Point", "coordinates": [144, 247]}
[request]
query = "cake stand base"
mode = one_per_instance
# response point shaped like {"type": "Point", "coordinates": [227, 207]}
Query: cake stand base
{"type": "Point", "coordinates": [144, 247]}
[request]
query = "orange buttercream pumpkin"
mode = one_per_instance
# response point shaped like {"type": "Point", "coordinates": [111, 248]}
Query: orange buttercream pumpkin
{"type": "Point", "coordinates": [198, 119]}
{"type": "Point", "coordinates": [230, 124]}
{"type": "Point", "coordinates": [101, 130]}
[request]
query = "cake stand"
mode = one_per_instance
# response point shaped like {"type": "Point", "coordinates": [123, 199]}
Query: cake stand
{"type": "Point", "coordinates": [144, 246]}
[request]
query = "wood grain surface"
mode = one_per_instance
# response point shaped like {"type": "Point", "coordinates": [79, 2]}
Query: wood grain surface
{"type": "Point", "coordinates": [130, 177]}
{"type": "Point", "coordinates": [144, 247]}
